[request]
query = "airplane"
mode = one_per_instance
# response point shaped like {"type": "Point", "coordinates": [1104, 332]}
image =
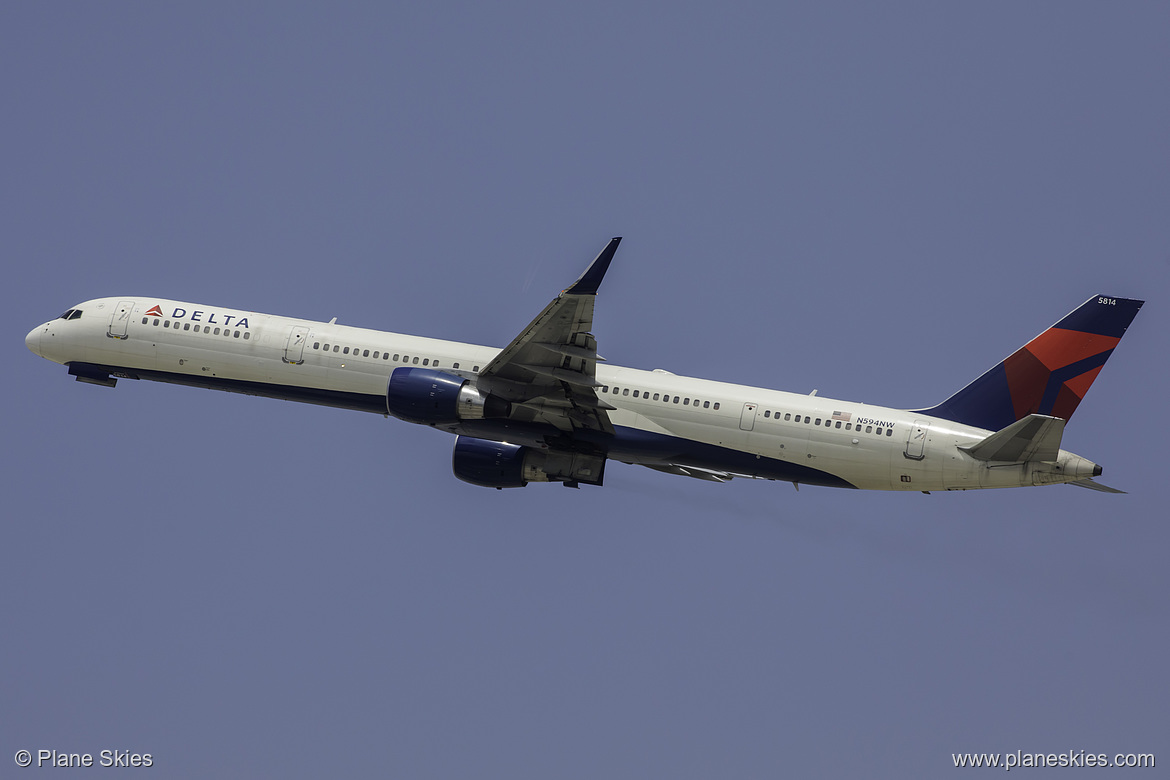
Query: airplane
{"type": "Point", "coordinates": [547, 408]}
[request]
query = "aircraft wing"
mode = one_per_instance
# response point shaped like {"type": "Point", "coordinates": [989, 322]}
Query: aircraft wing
{"type": "Point", "coordinates": [549, 371]}
{"type": "Point", "coordinates": [707, 475]}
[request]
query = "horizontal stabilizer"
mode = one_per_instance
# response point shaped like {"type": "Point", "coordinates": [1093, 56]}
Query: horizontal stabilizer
{"type": "Point", "coordinates": [1091, 485]}
{"type": "Point", "coordinates": [1035, 437]}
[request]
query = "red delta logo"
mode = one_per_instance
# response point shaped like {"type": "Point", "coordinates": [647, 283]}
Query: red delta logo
{"type": "Point", "coordinates": [154, 311]}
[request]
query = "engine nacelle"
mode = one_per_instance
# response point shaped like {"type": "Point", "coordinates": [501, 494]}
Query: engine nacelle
{"type": "Point", "coordinates": [500, 465]}
{"type": "Point", "coordinates": [429, 397]}
{"type": "Point", "coordinates": [489, 463]}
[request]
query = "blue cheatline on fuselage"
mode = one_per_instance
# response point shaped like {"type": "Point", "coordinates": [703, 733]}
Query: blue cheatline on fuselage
{"type": "Point", "coordinates": [627, 444]}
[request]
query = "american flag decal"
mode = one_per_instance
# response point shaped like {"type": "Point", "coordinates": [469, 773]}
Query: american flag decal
{"type": "Point", "coordinates": [842, 416]}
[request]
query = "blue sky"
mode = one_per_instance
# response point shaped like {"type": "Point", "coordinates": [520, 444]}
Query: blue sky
{"type": "Point", "coordinates": [875, 202]}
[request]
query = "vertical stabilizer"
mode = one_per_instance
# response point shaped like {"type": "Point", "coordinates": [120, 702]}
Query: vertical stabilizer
{"type": "Point", "coordinates": [1050, 374]}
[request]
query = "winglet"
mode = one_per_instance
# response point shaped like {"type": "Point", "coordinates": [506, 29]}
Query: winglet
{"type": "Point", "coordinates": [591, 279]}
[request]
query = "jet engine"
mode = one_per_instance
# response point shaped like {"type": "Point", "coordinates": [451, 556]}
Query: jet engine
{"type": "Point", "coordinates": [499, 464]}
{"type": "Point", "coordinates": [429, 397]}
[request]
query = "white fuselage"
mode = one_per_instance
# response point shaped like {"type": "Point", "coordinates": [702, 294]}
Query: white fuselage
{"type": "Point", "coordinates": [852, 444]}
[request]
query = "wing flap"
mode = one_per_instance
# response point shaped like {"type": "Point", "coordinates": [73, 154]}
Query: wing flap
{"type": "Point", "coordinates": [707, 475]}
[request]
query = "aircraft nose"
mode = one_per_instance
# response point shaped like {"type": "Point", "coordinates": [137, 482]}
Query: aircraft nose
{"type": "Point", "coordinates": [33, 340]}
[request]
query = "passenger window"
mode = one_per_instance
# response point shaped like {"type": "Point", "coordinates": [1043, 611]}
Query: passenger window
{"type": "Point", "coordinates": [396, 356]}
{"type": "Point", "coordinates": [345, 351]}
{"type": "Point", "coordinates": [457, 366]}
{"type": "Point", "coordinates": [818, 422]}
{"type": "Point", "coordinates": [156, 322]}
{"type": "Point", "coordinates": [767, 413]}
{"type": "Point", "coordinates": [316, 345]}
{"type": "Point", "coordinates": [869, 429]}
{"type": "Point", "coordinates": [144, 320]}
{"type": "Point", "coordinates": [889, 431]}
{"type": "Point", "coordinates": [415, 361]}
{"type": "Point", "coordinates": [235, 334]}
{"type": "Point", "coordinates": [385, 355]}
{"type": "Point", "coordinates": [716, 405]}
{"type": "Point", "coordinates": [166, 323]}
{"type": "Point", "coordinates": [848, 426]}
{"type": "Point", "coordinates": [676, 399]}
{"type": "Point", "coordinates": [246, 335]}
{"type": "Point", "coordinates": [426, 361]}
{"type": "Point", "coordinates": [656, 395]}
{"type": "Point", "coordinates": [375, 354]}
{"type": "Point", "coordinates": [787, 417]}
{"type": "Point", "coordinates": [476, 369]}
{"type": "Point", "coordinates": [206, 328]}
{"type": "Point", "coordinates": [336, 347]}
{"type": "Point", "coordinates": [706, 404]}
{"type": "Point", "coordinates": [838, 425]}
{"type": "Point", "coordinates": [635, 394]}
{"type": "Point", "coordinates": [217, 331]}
{"type": "Point", "coordinates": [626, 391]}
{"type": "Point", "coordinates": [186, 326]}
{"type": "Point", "coordinates": [366, 353]}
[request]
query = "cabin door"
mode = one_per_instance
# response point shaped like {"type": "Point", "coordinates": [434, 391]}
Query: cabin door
{"type": "Point", "coordinates": [120, 319]}
{"type": "Point", "coordinates": [916, 441]}
{"type": "Point", "coordinates": [294, 350]}
{"type": "Point", "coordinates": [747, 418]}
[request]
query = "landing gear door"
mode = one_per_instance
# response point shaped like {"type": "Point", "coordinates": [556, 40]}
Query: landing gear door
{"type": "Point", "coordinates": [294, 350]}
{"type": "Point", "coordinates": [120, 319]}
{"type": "Point", "coordinates": [916, 441]}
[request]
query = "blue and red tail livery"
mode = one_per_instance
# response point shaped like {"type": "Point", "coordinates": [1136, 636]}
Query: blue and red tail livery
{"type": "Point", "coordinates": [1050, 374]}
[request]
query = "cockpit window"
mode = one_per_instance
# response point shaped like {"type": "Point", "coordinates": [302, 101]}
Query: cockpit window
{"type": "Point", "coordinates": [67, 314]}
{"type": "Point", "coordinates": [75, 314]}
